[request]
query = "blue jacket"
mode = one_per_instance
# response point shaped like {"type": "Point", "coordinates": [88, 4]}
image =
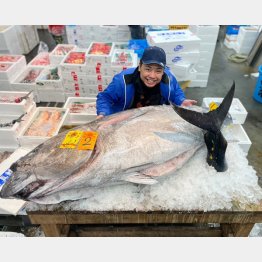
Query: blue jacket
{"type": "Point", "coordinates": [119, 94]}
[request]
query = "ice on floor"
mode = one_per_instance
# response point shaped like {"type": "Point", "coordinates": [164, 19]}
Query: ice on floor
{"type": "Point", "coordinates": [196, 186]}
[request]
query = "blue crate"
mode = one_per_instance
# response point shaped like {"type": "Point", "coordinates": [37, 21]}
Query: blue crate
{"type": "Point", "coordinates": [232, 29]}
{"type": "Point", "coordinates": [257, 95]}
{"type": "Point", "coordinates": [138, 45]}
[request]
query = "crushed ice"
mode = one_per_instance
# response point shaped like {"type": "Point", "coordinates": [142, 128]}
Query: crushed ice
{"type": "Point", "coordinates": [196, 186]}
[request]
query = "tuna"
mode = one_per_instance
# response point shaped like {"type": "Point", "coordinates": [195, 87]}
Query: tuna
{"type": "Point", "coordinates": [134, 146]}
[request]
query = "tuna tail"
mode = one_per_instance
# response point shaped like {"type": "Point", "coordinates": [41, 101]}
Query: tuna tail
{"type": "Point", "coordinates": [211, 122]}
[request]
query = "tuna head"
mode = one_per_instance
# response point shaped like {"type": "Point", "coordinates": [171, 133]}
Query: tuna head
{"type": "Point", "coordinates": [45, 169]}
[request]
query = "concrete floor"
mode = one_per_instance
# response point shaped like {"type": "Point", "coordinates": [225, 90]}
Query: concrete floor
{"type": "Point", "coordinates": [221, 77]}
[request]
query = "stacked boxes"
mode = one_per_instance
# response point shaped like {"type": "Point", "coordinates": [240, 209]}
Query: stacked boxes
{"type": "Point", "coordinates": [49, 85]}
{"type": "Point", "coordinates": [233, 132]}
{"type": "Point", "coordinates": [83, 35]}
{"type": "Point", "coordinates": [9, 43]}
{"type": "Point", "coordinates": [26, 81]}
{"type": "Point", "coordinates": [98, 57]}
{"type": "Point", "coordinates": [208, 35]}
{"type": "Point", "coordinates": [231, 35]}
{"type": "Point", "coordinates": [59, 52]}
{"type": "Point", "coordinates": [10, 67]}
{"type": "Point", "coordinates": [41, 60]}
{"type": "Point", "coordinates": [14, 106]}
{"type": "Point", "coordinates": [73, 71]}
{"type": "Point", "coordinates": [18, 39]}
{"type": "Point", "coordinates": [246, 38]}
{"type": "Point", "coordinates": [182, 50]}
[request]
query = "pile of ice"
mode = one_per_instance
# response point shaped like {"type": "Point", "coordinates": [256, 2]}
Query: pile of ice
{"type": "Point", "coordinates": [196, 186]}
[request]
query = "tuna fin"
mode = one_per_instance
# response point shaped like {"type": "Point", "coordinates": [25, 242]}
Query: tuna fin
{"type": "Point", "coordinates": [138, 178]}
{"type": "Point", "coordinates": [212, 122]}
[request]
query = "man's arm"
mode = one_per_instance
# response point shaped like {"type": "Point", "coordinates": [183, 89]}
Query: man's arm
{"type": "Point", "coordinates": [109, 97]}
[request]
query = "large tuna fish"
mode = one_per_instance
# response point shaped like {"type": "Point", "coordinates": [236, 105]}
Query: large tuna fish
{"type": "Point", "coordinates": [138, 146]}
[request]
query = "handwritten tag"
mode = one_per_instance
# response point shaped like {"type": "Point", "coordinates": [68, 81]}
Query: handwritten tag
{"type": "Point", "coordinates": [71, 139]}
{"type": "Point", "coordinates": [88, 140]}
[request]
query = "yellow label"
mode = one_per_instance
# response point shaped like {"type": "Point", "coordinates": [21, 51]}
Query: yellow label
{"type": "Point", "coordinates": [71, 139]}
{"type": "Point", "coordinates": [177, 27]}
{"type": "Point", "coordinates": [213, 106]}
{"type": "Point", "coordinates": [88, 140]}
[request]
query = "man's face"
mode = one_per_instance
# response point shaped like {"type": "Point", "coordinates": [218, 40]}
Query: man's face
{"type": "Point", "coordinates": [151, 74]}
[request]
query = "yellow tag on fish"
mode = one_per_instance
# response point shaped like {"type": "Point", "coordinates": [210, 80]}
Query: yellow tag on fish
{"type": "Point", "coordinates": [72, 139]}
{"type": "Point", "coordinates": [88, 140]}
{"type": "Point", "coordinates": [213, 106]}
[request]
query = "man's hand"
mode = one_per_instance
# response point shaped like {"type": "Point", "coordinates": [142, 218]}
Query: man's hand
{"type": "Point", "coordinates": [189, 102]}
{"type": "Point", "coordinates": [99, 117]}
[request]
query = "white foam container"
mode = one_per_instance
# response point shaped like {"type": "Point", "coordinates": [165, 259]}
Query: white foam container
{"type": "Point", "coordinates": [32, 141]}
{"type": "Point", "coordinates": [237, 133]}
{"type": "Point", "coordinates": [15, 108]}
{"type": "Point", "coordinates": [79, 118]}
{"type": "Point", "coordinates": [15, 68]}
{"type": "Point", "coordinates": [236, 110]}
{"type": "Point", "coordinates": [55, 58]}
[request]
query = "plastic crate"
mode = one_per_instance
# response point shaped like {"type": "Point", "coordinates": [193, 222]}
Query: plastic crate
{"type": "Point", "coordinates": [138, 46]}
{"type": "Point", "coordinates": [258, 90]}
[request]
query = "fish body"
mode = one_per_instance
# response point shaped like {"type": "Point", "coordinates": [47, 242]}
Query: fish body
{"type": "Point", "coordinates": [137, 145]}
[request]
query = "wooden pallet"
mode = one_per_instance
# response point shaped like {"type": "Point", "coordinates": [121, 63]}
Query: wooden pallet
{"type": "Point", "coordinates": [237, 223]}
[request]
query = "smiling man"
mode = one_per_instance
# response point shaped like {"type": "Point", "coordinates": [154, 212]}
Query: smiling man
{"type": "Point", "coordinates": [151, 83]}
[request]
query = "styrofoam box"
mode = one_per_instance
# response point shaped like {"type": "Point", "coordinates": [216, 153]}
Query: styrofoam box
{"type": "Point", "coordinates": [198, 83]}
{"type": "Point", "coordinates": [41, 60]}
{"type": "Point", "coordinates": [15, 108]}
{"type": "Point", "coordinates": [93, 59]}
{"type": "Point", "coordinates": [99, 79]}
{"type": "Point", "coordinates": [5, 85]}
{"type": "Point", "coordinates": [8, 135]}
{"type": "Point", "coordinates": [207, 47]}
{"type": "Point", "coordinates": [14, 69]}
{"type": "Point", "coordinates": [9, 40]}
{"type": "Point", "coordinates": [51, 95]}
{"type": "Point", "coordinates": [174, 40]}
{"type": "Point", "coordinates": [118, 52]}
{"type": "Point", "coordinates": [55, 58]}
{"type": "Point", "coordinates": [17, 86]}
{"type": "Point", "coordinates": [204, 29]}
{"type": "Point", "coordinates": [203, 67]}
{"type": "Point", "coordinates": [42, 83]}
{"type": "Point", "coordinates": [236, 133]}
{"type": "Point", "coordinates": [236, 110]}
{"type": "Point", "coordinates": [79, 118]}
{"type": "Point", "coordinates": [191, 75]}
{"type": "Point", "coordinates": [67, 67]}
{"type": "Point", "coordinates": [180, 69]}
{"type": "Point", "coordinates": [32, 141]}
{"type": "Point", "coordinates": [183, 58]}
